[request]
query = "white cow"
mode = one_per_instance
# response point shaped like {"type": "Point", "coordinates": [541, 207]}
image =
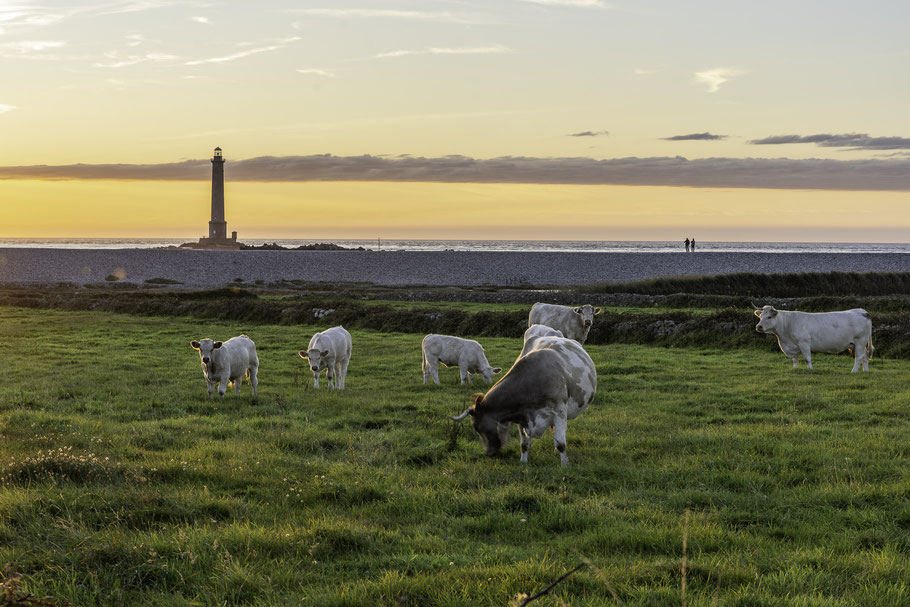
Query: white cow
{"type": "Point", "coordinates": [534, 332]}
{"type": "Point", "coordinates": [551, 384]}
{"type": "Point", "coordinates": [827, 332]}
{"type": "Point", "coordinates": [573, 322]}
{"type": "Point", "coordinates": [466, 354]}
{"type": "Point", "coordinates": [330, 350]}
{"type": "Point", "coordinates": [227, 362]}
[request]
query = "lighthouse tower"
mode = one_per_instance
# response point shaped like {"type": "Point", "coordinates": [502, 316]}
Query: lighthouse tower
{"type": "Point", "coordinates": [217, 226]}
{"type": "Point", "coordinates": [217, 238]}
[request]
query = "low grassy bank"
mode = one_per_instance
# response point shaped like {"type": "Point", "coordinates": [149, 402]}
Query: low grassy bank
{"type": "Point", "coordinates": [756, 284]}
{"type": "Point", "coordinates": [681, 326]}
{"type": "Point", "coordinates": [122, 483]}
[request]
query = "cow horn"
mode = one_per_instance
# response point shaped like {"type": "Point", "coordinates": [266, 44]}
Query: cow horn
{"type": "Point", "coordinates": [458, 418]}
{"type": "Point", "coordinates": [754, 306]}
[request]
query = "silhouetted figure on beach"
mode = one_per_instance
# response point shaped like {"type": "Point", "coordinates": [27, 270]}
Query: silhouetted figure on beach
{"type": "Point", "coordinates": [693, 245]}
{"type": "Point", "coordinates": [687, 245]}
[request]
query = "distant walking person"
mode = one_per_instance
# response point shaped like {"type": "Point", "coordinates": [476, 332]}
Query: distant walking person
{"type": "Point", "coordinates": [687, 245]}
{"type": "Point", "coordinates": [693, 245]}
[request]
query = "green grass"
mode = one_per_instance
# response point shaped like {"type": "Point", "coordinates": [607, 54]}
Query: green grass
{"type": "Point", "coordinates": [122, 483]}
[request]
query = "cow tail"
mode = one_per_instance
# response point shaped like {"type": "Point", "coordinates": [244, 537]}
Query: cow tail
{"type": "Point", "coordinates": [869, 348]}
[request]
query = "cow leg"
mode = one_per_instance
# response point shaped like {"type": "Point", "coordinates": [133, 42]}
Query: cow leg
{"type": "Point", "coordinates": [525, 444]}
{"type": "Point", "coordinates": [315, 379]}
{"type": "Point", "coordinates": [211, 386]}
{"type": "Point", "coordinates": [858, 359]}
{"type": "Point", "coordinates": [253, 375]}
{"type": "Point", "coordinates": [222, 387]}
{"type": "Point", "coordinates": [330, 373]}
{"type": "Point", "coordinates": [344, 373]}
{"type": "Point", "coordinates": [795, 360]}
{"type": "Point", "coordinates": [237, 383]}
{"type": "Point", "coordinates": [807, 354]}
{"type": "Point", "coordinates": [559, 438]}
{"type": "Point", "coordinates": [339, 378]}
{"type": "Point", "coordinates": [464, 375]}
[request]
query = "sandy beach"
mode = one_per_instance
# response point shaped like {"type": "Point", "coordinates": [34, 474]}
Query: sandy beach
{"type": "Point", "coordinates": [402, 268]}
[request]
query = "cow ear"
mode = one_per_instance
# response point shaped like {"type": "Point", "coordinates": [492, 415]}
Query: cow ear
{"type": "Point", "coordinates": [773, 313]}
{"type": "Point", "coordinates": [476, 401]}
{"type": "Point", "coordinates": [217, 345]}
{"type": "Point", "coordinates": [194, 344]}
{"type": "Point", "coordinates": [303, 354]}
{"type": "Point", "coordinates": [497, 370]}
{"type": "Point", "coordinates": [324, 353]}
{"type": "Point", "coordinates": [597, 310]}
{"type": "Point", "coordinates": [576, 310]}
{"type": "Point", "coordinates": [758, 313]}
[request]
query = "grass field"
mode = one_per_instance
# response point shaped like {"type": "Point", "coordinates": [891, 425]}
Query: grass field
{"type": "Point", "coordinates": [121, 483]}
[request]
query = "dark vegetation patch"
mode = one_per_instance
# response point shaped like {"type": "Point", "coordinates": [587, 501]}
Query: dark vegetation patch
{"type": "Point", "coordinates": [731, 324]}
{"type": "Point", "coordinates": [756, 284]}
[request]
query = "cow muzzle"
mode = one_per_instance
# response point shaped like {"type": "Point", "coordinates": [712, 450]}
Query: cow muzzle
{"type": "Point", "coordinates": [315, 369]}
{"type": "Point", "coordinates": [205, 360]}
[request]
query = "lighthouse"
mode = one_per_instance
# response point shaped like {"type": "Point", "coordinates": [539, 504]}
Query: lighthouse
{"type": "Point", "coordinates": [217, 238]}
{"type": "Point", "coordinates": [217, 226]}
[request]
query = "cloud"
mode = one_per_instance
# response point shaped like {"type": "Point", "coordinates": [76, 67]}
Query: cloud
{"type": "Point", "coordinates": [241, 54]}
{"type": "Point", "coordinates": [695, 137]}
{"type": "Point", "coordinates": [441, 50]}
{"type": "Point", "coordinates": [589, 134]}
{"type": "Point", "coordinates": [768, 173]}
{"type": "Point", "coordinates": [4, 108]}
{"type": "Point", "coordinates": [117, 61]}
{"type": "Point", "coordinates": [849, 141]}
{"type": "Point", "coordinates": [640, 71]}
{"type": "Point", "coordinates": [375, 13]}
{"type": "Point", "coordinates": [203, 20]}
{"type": "Point", "coordinates": [317, 72]}
{"type": "Point", "coordinates": [574, 3]}
{"type": "Point", "coordinates": [27, 46]}
{"type": "Point", "coordinates": [713, 78]}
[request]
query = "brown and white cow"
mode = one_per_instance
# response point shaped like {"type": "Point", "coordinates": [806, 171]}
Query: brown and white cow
{"type": "Point", "coordinates": [573, 322]}
{"type": "Point", "coordinates": [551, 384]}
{"type": "Point", "coordinates": [828, 332]}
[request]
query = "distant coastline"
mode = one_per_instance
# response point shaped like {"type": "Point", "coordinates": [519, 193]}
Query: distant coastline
{"type": "Point", "coordinates": [553, 246]}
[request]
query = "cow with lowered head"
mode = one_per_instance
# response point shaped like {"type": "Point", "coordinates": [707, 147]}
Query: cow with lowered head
{"type": "Point", "coordinates": [575, 323]}
{"type": "Point", "coordinates": [451, 351]}
{"type": "Point", "coordinates": [828, 332]}
{"type": "Point", "coordinates": [552, 383]}
{"type": "Point", "coordinates": [227, 362]}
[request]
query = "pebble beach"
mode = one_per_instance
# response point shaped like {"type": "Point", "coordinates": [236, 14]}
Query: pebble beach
{"type": "Point", "coordinates": [202, 269]}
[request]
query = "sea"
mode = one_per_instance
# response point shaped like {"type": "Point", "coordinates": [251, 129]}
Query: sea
{"type": "Point", "coordinates": [582, 246]}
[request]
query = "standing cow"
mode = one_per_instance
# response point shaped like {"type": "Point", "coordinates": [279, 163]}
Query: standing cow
{"type": "Point", "coordinates": [573, 322]}
{"type": "Point", "coordinates": [827, 332]}
{"type": "Point", "coordinates": [330, 350]}
{"type": "Point", "coordinates": [466, 354]}
{"type": "Point", "coordinates": [534, 332]}
{"type": "Point", "coordinates": [551, 384]}
{"type": "Point", "coordinates": [227, 362]}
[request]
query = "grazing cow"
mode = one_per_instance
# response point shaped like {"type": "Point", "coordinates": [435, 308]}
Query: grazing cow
{"type": "Point", "coordinates": [227, 362]}
{"type": "Point", "coordinates": [828, 332]}
{"type": "Point", "coordinates": [551, 384]}
{"type": "Point", "coordinates": [466, 354]}
{"type": "Point", "coordinates": [535, 331]}
{"type": "Point", "coordinates": [330, 350]}
{"type": "Point", "coordinates": [573, 322]}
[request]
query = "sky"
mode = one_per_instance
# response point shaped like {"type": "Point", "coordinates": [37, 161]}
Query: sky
{"type": "Point", "coordinates": [562, 119]}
